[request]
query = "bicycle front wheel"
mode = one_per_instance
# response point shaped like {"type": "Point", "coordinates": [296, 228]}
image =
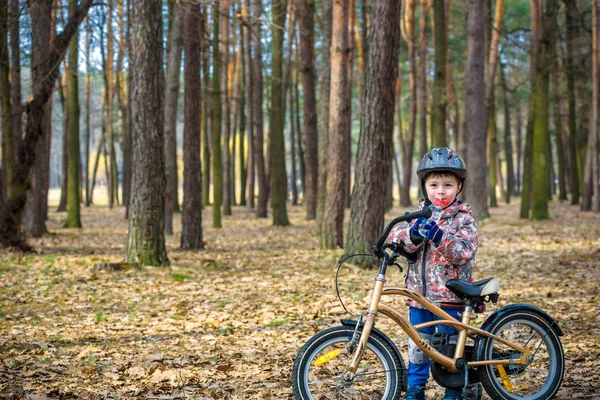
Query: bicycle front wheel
{"type": "Point", "coordinates": [538, 380]}
{"type": "Point", "coordinates": [322, 362]}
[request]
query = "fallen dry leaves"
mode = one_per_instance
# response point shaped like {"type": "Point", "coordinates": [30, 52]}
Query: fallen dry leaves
{"type": "Point", "coordinates": [227, 322]}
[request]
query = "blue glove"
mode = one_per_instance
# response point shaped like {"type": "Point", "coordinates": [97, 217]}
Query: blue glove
{"type": "Point", "coordinates": [415, 236]}
{"type": "Point", "coordinates": [434, 233]}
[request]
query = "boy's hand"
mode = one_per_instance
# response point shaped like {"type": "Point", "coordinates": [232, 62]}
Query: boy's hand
{"type": "Point", "coordinates": [415, 236]}
{"type": "Point", "coordinates": [434, 233]}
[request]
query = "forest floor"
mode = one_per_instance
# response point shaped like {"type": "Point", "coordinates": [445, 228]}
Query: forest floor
{"type": "Point", "coordinates": [227, 322]}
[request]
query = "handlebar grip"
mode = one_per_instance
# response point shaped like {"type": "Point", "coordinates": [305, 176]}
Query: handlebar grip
{"type": "Point", "coordinates": [425, 212]}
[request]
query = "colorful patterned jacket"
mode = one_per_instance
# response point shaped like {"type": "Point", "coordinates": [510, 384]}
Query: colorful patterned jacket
{"type": "Point", "coordinates": [453, 258]}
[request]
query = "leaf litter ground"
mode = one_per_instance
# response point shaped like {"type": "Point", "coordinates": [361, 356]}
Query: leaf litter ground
{"type": "Point", "coordinates": [227, 322]}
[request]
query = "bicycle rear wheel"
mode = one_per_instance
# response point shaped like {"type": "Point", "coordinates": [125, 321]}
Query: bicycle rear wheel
{"type": "Point", "coordinates": [321, 364]}
{"type": "Point", "coordinates": [538, 380]}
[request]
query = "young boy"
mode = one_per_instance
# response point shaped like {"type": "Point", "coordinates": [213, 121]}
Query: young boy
{"type": "Point", "coordinates": [451, 244]}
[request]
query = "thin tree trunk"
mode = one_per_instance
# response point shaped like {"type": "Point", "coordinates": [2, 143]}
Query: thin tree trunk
{"type": "Point", "coordinates": [323, 117]}
{"type": "Point", "coordinates": [62, 89]}
{"type": "Point", "coordinates": [558, 129]}
{"type": "Point", "coordinates": [8, 141]}
{"type": "Point", "coordinates": [207, 114]}
{"type": "Point", "coordinates": [242, 115]}
{"type": "Point", "coordinates": [95, 169]}
{"type": "Point", "coordinates": [108, 74]}
{"type": "Point", "coordinates": [74, 171]}
{"type": "Point", "coordinates": [288, 96]}
{"type": "Point", "coordinates": [593, 133]}
{"type": "Point", "coordinates": [333, 221]}
{"type": "Point", "coordinates": [299, 139]}
{"type": "Point", "coordinates": [88, 119]}
{"type": "Point", "coordinates": [422, 78]}
{"type": "Point", "coordinates": [348, 158]}
{"type": "Point", "coordinates": [277, 118]}
{"type": "Point", "coordinates": [438, 94]}
{"type": "Point", "coordinates": [191, 217]}
{"type": "Point", "coordinates": [171, 102]}
{"type": "Point", "coordinates": [508, 151]}
{"type": "Point", "coordinates": [249, 84]}
{"type": "Point", "coordinates": [306, 13]}
{"type": "Point", "coordinates": [409, 19]}
{"type": "Point", "coordinates": [225, 106]}
{"type": "Point", "coordinates": [519, 141]}
{"type": "Point", "coordinates": [257, 92]}
{"type": "Point", "coordinates": [216, 122]}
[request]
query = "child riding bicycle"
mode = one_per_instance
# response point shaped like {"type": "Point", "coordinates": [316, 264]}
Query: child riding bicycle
{"type": "Point", "coordinates": [445, 250]}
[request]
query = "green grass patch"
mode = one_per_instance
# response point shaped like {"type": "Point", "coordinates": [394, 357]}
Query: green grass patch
{"type": "Point", "coordinates": [99, 317]}
{"type": "Point", "coordinates": [180, 277]}
{"type": "Point", "coordinates": [223, 303]}
{"type": "Point", "coordinates": [177, 317]}
{"type": "Point", "coordinates": [275, 324]}
{"type": "Point", "coordinates": [224, 332]}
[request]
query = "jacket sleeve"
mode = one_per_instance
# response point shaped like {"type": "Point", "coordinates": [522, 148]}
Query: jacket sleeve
{"type": "Point", "coordinates": [401, 233]}
{"type": "Point", "coordinates": [459, 248]}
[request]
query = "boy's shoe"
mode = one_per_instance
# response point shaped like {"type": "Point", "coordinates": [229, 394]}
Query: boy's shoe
{"type": "Point", "coordinates": [452, 394]}
{"type": "Point", "coordinates": [415, 393]}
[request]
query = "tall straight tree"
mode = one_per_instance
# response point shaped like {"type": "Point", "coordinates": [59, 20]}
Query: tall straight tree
{"type": "Point", "coordinates": [225, 106]}
{"type": "Point", "coordinates": [541, 145]}
{"type": "Point", "coordinates": [333, 221]}
{"type": "Point", "coordinates": [171, 101]}
{"type": "Point", "coordinates": [572, 35]}
{"type": "Point", "coordinates": [249, 84]}
{"type": "Point", "coordinates": [476, 190]}
{"type": "Point", "coordinates": [207, 114]}
{"type": "Point", "coordinates": [560, 148]}
{"type": "Point", "coordinates": [408, 150]}
{"type": "Point", "coordinates": [43, 77]}
{"type": "Point", "coordinates": [375, 142]}
{"type": "Point", "coordinates": [111, 183]}
{"type": "Point", "coordinates": [591, 200]}
{"type": "Point", "coordinates": [306, 12]}
{"type": "Point", "coordinates": [88, 106]}
{"type": "Point", "coordinates": [323, 115]}
{"type": "Point", "coordinates": [216, 121]}
{"type": "Point", "coordinates": [15, 73]}
{"type": "Point", "coordinates": [146, 239]}
{"type": "Point", "coordinates": [438, 108]}
{"type": "Point", "coordinates": [191, 217]}
{"type": "Point", "coordinates": [257, 93]}
{"type": "Point", "coordinates": [422, 78]}
{"type": "Point", "coordinates": [8, 149]}
{"type": "Point", "coordinates": [277, 118]}
{"type": "Point", "coordinates": [74, 173]}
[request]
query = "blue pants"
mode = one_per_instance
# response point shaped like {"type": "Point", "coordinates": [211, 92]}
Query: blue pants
{"type": "Point", "coordinates": [418, 374]}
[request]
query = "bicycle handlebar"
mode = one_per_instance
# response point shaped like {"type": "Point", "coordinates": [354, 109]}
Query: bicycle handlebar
{"type": "Point", "coordinates": [408, 216]}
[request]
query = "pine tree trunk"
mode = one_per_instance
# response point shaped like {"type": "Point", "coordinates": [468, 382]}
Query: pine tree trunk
{"type": "Point", "coordinates": [562, 178]}
{"type": "Point", "coordinates": [306, 11]}
{"type": "Point", "coordinates": [508, 150]}
{"type": "Point", "coordinates": [422, 78]}
{"type": "Point", "coordinates": [519, 141]}
{"type": "Point", "coordinates": [299, 138]}
{"type": "Point", "coordinates": [146, 240]}
{"type": "Point", "coordinates": [108, 76]}
{"type": "Point", "coordinates": [225, 106]}
{"type": "Point", "coordinates": [594, 131]}
{"type": "Point", "coordinates": [333, 221]}
{"type": "Point", "coordinates": [15, 75]}
{"type": "Point", "coordinates": [191, 217]}
{"type": "Point", "coordinates": [207, 114]}
{"type": "Point", "coordinates": [257, 92]}
{"type": "Point", "coordinates": [348, 158]}
{"type": "Point", "coordinates": [541, 147]}
{"type": "Point", "coordinates": [74, 173]}
{"type": "Point", "coordinates": [171, 101]}
{"type": "Point", "coordinates": [8, 142]}
{"type": "Point", "coordinates": [288, 96]}
{"type": "Point", "coordinates": [277, 118]}
{"type": "Point", "coordinates": [249, 85]}
{"type": "Point", "coordinates": [64, 181]}
{"type": "Point", "coordinates": [476, 189]}
{"type": "Point", "coordinates": [242, 115]}
{"type": "Point", "coordinates": [492, 144]}
{"type": "Point", "coordinates": [374, 151]}
{"type": "Point", "coordinates": [216, 122]}
{"type": "Point", "coordinates": [323, 117]}
{"type": "Point", "coordinates": [438, 108]}
{"type": "Point", "coordinates": [88, 119]}
{"type": "Point", "coordinates": [409, 19]}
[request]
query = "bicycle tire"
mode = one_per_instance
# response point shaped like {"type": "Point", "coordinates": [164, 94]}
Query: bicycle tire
{"type": "Point", "coordinates": [546, 347]}
{"type": "Point", "coordinates": [338, 338]}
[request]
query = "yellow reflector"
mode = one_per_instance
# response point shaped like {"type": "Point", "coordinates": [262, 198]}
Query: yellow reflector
{"type": "Point", "coordinates": [504, 377]}
{"type": "Point", "coordinates": [327, 357]}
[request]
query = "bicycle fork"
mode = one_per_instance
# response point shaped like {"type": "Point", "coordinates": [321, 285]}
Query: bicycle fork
{"type": "Point", "coordinates": [366, 329]}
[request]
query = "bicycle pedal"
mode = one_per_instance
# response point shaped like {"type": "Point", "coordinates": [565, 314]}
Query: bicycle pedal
{"type": "Point", "coordinates": [473, 392]}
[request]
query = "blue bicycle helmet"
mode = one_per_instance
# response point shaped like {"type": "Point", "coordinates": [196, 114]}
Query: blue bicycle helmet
{"type": "Point", "coordinates": [442, 159]}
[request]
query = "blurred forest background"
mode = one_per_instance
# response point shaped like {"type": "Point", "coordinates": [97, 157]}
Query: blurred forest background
{"type": "Point", "coordinates": [167, 107]}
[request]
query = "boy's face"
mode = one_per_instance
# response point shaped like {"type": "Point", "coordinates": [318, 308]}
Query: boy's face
{"type": "Point", "coordinates": [443, 187]}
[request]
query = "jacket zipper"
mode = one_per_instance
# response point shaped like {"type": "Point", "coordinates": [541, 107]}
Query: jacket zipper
{"type": "Point", "coordinates": [423, 265]}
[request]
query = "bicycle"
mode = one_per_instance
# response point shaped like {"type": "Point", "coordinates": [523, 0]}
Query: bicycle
{"type": "Point", "coordinates": [516, 354]}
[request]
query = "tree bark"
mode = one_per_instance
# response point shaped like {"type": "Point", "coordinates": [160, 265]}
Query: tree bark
{"type": "Point", "coordinates": [306, 11]}
{"type": "Point", "coordinates": [242, 116]}
{"type": "Point", "coordinates": [409, 19]}
{"type": "Point", "coordinates": [508, 150]}
{"type": "Point", "coordinates": [44, 73]}
{"type": "Point", "coordinates": [64, 182]}
{"type": "Point", "coordinates": [74, 172]}
{"type": "Point", "coordinates": [257, 92]}
{"type": "Point", "coordinates": [593, 133]}
{"type": "Point", "coordinates": [207, 113]}
{"type": "Point", "coordinates": [249, 84]}
{"type": "Point", "coordinates": [8, 142]}
{"type": "Point", "coordinates": [560, 148]}
{"type": "Point", "coordinates": [541, 147]}
{"type": "Point", "coordinates": [277, 118]}
{"type": "Point", "coordinates": [476, 188]}
{"type": "Point", "coordinates": [171, 101]}
{"type": "Point", "coordinates": [438, 108]}
{"type": "Point", "coordinates": [88, 119]}
{"type": "Point", "coordinates": [191, 217]}
{"type": "Point", "coordinates": [146, 240]}
{"type": "Point", "coordinates": [375, 142]}
{"type": "Point", "coordinates": [422, 78]}
{"type": "Point", "coordinates": [225, 106]}
{"type": "Point", "coordinates": [323, 117]}
{"type": "Point", "coordinates": [333, 222]}
{"type": "Point", "coordinates": [216, 122]}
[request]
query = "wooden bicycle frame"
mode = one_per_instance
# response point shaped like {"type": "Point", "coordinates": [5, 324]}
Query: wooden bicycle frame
{"type": "Point", "coordinates": [463, 327]}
